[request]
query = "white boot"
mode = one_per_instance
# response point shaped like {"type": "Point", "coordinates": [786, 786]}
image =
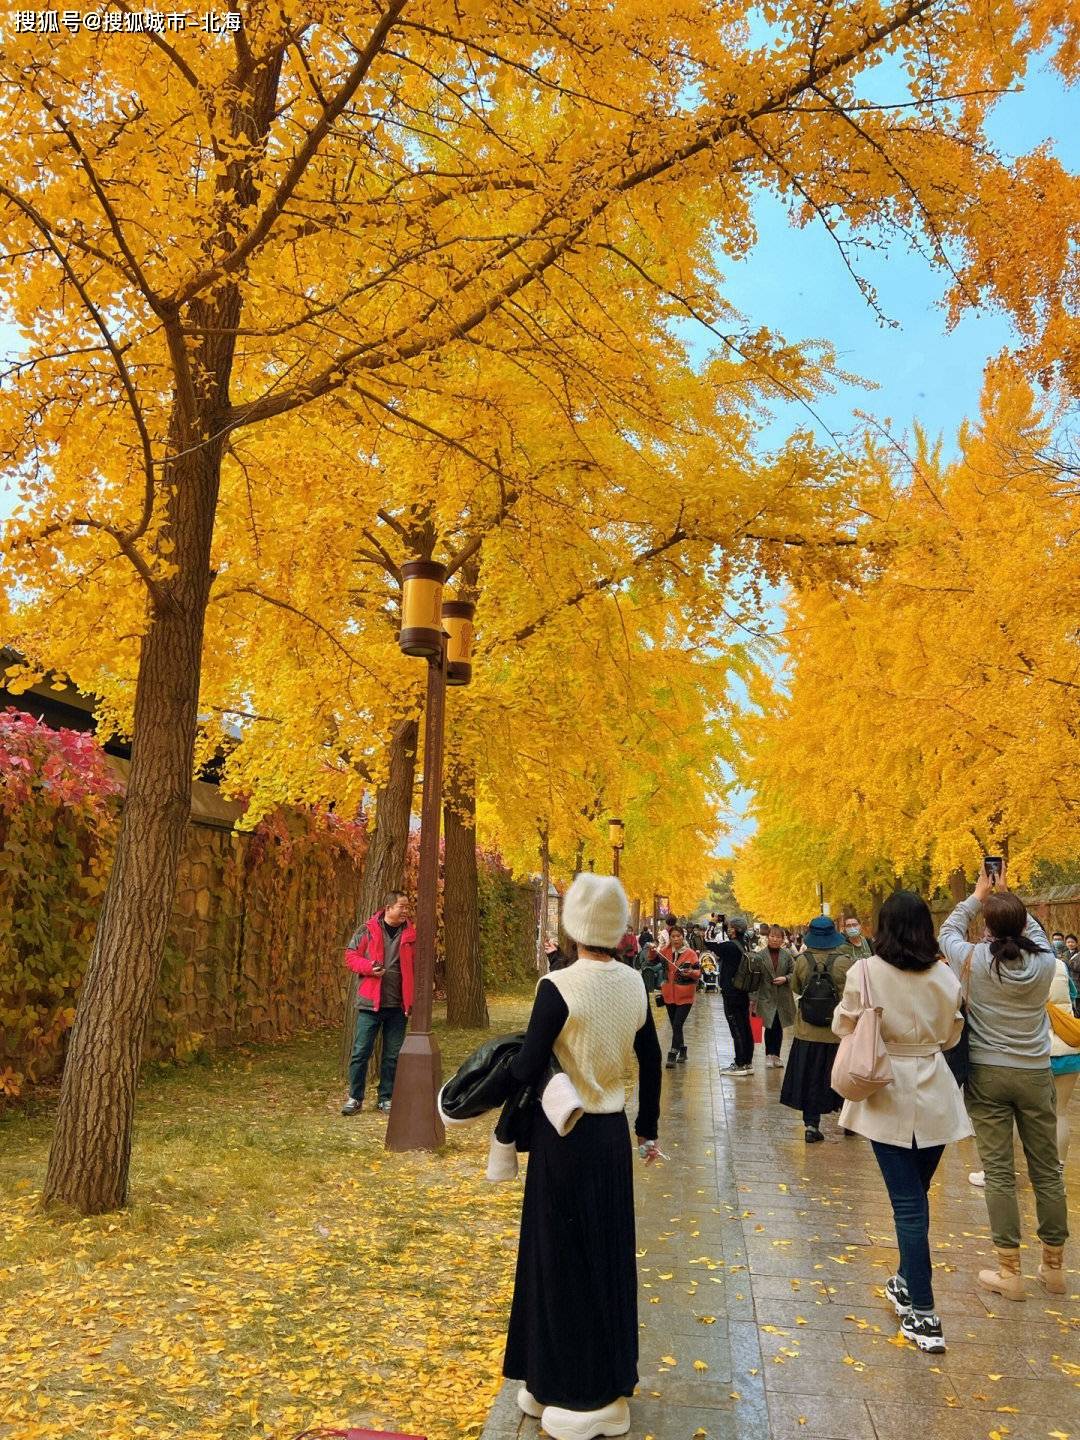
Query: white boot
{"type": "Point", "coordinates": [613, 1419]}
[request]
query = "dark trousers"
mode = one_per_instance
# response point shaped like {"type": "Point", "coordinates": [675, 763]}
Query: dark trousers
{"type": "Point", "coordinates": [774, 1035]}
{"type": "Point", "coordinates": [391, 1020]}
{"type": "Point", "coordinates": [812, 1119]}
{"type": "Point", "coordinates": [677, 1015]}
{"type": "Point", "coordinates": [737, 1013]}
{"type": "Point", "coordinates": [907, 1173]}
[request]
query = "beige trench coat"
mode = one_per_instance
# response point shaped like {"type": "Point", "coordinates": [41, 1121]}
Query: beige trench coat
{"type": "Point", "coordinates": [920, 1017]}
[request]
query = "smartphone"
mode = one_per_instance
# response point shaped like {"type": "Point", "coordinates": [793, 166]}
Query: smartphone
{"type": "Point", "coordinates": [993, 866]}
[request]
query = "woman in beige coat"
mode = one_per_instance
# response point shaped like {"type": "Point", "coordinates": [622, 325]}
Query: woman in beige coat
{"type": "Point", "coordinates": [909, 1122]}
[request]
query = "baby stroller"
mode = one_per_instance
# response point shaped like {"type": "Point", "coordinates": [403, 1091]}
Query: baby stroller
{"type": "Point", "coordinates": [710, 973]}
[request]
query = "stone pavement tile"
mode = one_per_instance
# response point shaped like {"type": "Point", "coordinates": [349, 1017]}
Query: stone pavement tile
{"type": "Point", "coordinates": [654, 1420]}
{"type": "Point", "coordinates": [861, 1381]}
{"type": "Point", "coordinates": [1058, 1397]}
{"type": "Point", "coordinates": [893, 1421]}
{"type": "Point", "coordinates": [820, 1417]}
{"type": "Point", "coordinates": [713, 1350]}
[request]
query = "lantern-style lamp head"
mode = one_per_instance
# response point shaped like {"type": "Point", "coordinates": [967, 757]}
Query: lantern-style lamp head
{"type": "Point", "coordinates": [421, 634]}
{"type": "Point", "coordinates": [616, 832]}
{"type": "Point", "coordinates": [457, 619]}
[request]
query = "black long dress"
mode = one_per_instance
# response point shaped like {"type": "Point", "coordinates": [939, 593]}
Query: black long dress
{"type": "Point", "coordinates": [573, 1332]}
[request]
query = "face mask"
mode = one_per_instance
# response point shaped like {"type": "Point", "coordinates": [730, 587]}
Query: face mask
{"type": "Point", "coordinates": [853, 931]}
{"type": "Point", "coordinates": [1059, 947]}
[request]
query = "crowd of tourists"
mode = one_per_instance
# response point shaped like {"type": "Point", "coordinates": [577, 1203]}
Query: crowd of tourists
{"type": "Point", "coordinates": [917, 1039]}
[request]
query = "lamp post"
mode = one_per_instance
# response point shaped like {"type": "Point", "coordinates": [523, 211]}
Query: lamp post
{"type": "Point", "coordinates": [616, 836]}
{"type": "Point", "coordinates": [440, 632]}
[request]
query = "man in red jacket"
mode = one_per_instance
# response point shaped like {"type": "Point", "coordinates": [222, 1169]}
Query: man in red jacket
{"type": "Point", "coordinates": [382, 954]}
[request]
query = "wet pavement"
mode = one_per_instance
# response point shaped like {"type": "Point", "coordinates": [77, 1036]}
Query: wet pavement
{"type": "Point", "coordinates": [761, 1266]}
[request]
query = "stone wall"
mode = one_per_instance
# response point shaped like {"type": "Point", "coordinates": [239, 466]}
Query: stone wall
{"type": "Point", "coordinates": [254, 949]}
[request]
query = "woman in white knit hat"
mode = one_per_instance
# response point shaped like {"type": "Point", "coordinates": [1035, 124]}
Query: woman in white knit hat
{"type": "Point", "coordinates": [573, 1334]}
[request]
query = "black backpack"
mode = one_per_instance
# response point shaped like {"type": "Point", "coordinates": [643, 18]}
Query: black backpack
{"type": "Point", "coordinates": [820, 998]}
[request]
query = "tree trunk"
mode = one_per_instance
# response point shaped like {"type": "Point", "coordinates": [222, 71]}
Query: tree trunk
{"type": "Point", "coordinates": [466, 1005]}
{"type": "Point", "coordinates": [91, 1149]}
{"type": "Point", "coordinates": [384, 865]}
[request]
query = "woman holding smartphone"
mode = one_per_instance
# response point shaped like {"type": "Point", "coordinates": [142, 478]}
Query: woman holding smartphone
{"type": "Point", "coordinates": [1008, 979]}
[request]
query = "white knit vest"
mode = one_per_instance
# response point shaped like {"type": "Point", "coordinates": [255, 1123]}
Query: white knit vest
{"type": "Point", "coordinates": [607, 1006]}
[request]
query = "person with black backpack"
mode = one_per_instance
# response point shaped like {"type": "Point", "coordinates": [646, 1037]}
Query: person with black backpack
{"type": "Point", "coordinates": [817, 983]}
{"type": "Point", "coordinates": [738, 976]}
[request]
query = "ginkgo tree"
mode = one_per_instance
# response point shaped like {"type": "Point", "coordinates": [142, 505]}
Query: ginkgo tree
{"type": "Point", "coordinates": [931, 715]}
{"type": "Point", "coordinates": [207, 234]}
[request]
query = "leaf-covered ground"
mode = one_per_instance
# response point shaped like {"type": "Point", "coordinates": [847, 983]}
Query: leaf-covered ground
{"type": "Point", "coordinates": [277, 1269]}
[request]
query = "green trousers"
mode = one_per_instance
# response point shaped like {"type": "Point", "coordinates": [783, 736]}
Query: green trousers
{"type": "Point", "coordinates": [999, 1096]}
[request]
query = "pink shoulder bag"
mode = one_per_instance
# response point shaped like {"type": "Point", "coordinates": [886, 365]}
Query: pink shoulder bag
{"type": "Point", "coordinates": [862, 1066]}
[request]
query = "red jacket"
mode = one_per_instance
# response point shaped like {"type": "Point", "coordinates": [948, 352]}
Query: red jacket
{"type": "Point", "coordinates": [674, 991]}
{"type": "Point", "coordinates": [369, 951]}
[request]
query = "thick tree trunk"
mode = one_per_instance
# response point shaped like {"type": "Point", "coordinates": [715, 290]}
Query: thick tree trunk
{"type": "Point", "coordinates": [384, 866]}
{"type": "Point", "coordinates": [466, 1004]}
{"type": "Point", "coordinates": [91, 1149]}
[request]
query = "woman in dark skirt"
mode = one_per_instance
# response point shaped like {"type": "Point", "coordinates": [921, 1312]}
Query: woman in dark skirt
{"type": "Point", "coordinates": [573, 1334]}
{"type": "Point", "coordinates": [818, 983]}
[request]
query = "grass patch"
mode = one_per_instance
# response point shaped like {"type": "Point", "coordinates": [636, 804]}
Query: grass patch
{"type": "Point", "coordinates": [277, 1268]}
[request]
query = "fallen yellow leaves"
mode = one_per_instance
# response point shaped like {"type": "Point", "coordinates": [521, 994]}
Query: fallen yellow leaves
{"type": "Point", "coordinates": [277, 1271]}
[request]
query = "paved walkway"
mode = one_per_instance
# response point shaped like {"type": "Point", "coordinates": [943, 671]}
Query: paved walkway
{"type": "Point", "coordinates": [761, 1266]}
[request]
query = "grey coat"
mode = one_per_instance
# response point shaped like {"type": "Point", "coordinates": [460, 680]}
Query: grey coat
{"type": "Point", "coordinates": [770, 998]}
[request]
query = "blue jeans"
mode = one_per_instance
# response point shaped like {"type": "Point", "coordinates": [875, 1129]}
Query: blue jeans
{"type": "Point", "coordinates": [907, 1173]}
{"type": "Point", "coordinates": [393, 1023]}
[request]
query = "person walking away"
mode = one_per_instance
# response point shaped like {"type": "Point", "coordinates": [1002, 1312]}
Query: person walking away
{"type": "Point", "coordinates": [382, 954]}
{"type": "Point", "coordinates": [682, 971]}
{"type": "Point", "coordinates": [1064, 1057]}
{"type": "Point", "coordinates": [817, 982]}
{"type": "Point", "coordinates": [1010, 1081]}
{"type": "Point", "coordinates": [573, 1333]}
{"type": "Point", "coordinates": [909, 1122]}
{"type": "Point", "coordinates": [773, 1000]}
{"type": "Point", "coordinates": [729, 958]}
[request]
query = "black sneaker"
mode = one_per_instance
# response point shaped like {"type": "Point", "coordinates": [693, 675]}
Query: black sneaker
{"type": "Point", "coordinates": [352, 1107]}
{"type": "Point", "coordinates": [923, 1331]}
{"type": "Point", "coordinates": [896, 1290]}
{"type": "Point", "coordinates": [672, 1056]}
{"type": "Point", "coordinates": [732, 1069]}
{"type": "Point", "coordinates": [681, 1057]}
{"type": "Point", "coordinates": [813, 1135]}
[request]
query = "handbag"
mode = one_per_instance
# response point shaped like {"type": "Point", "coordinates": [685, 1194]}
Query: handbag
{"type": "Point", "coordinates": [862, 1066]}
{"type": "Point", "coordinates": [958, 1058]}
{"type": "Point", "coordinates": [1064, 1024]}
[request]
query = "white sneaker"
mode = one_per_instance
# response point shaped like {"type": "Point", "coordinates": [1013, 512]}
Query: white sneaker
{"type": "Point", "coordinates": [774, 1062]}
{"type": "Point", "coordinates": [613, 1419]}
{"type": "Point", "coordinates": [978, 1177]}
{"type": "Point", "coordinates": [527, 1405]}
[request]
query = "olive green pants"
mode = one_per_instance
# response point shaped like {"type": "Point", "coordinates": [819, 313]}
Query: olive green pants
{"type": "Point", "coordinates": [998, 1097]}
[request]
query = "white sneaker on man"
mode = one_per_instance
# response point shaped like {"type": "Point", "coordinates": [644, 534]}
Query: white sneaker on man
{"type": "Point", "coordinates": [613, 1419]}
{"type": "Point", "coordinates": [978, 1177]}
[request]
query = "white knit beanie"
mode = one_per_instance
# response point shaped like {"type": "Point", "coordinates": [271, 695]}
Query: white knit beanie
{"type": "Point", "coordinates": [596, 911]}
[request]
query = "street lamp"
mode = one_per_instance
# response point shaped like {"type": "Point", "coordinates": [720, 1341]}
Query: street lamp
{"type": "Point", "coordinates": [616, 837]}
{"type": "Point", "coordinates": [440, 632]}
